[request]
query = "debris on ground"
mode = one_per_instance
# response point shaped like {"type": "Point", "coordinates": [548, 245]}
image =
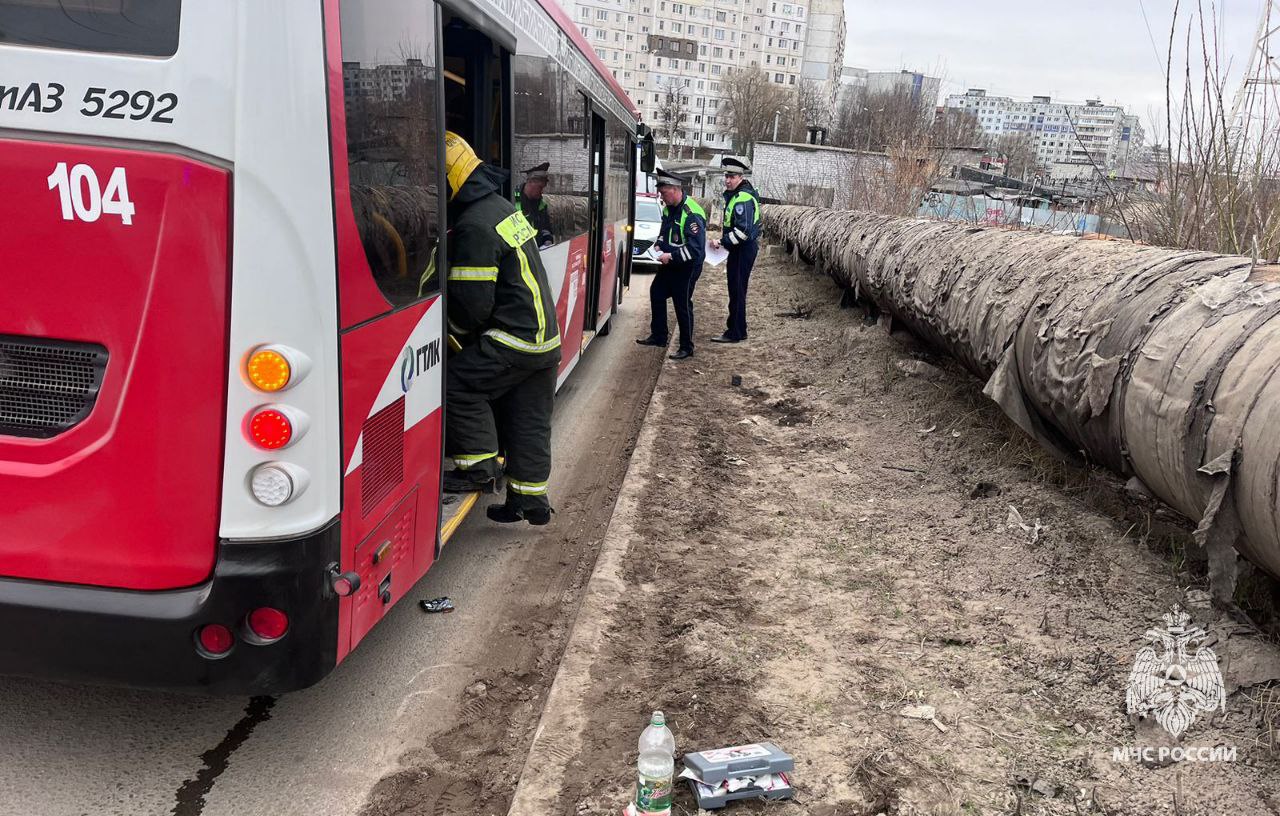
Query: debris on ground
{"type": "Point", "coordinates": [984, 490]}
{"type": "Point", "coordinates": [919, 368]}
{"type": "Point", "coordinates": [1040, 786]}
{"type": "Point", "coordinates": [1016, 522]}
{"type": "Point", "coordinates": [441, 604]}
{"type": "Point", "coordinates": [924, 712]}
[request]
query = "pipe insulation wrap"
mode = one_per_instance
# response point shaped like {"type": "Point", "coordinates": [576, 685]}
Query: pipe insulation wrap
{"type": "Point", "coordinates": [1158, 363]}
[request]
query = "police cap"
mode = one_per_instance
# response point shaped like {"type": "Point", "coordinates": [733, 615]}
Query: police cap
{"type": "Point", "coordinates": [666, 177]}
{"type": "Point", "coordinates": [738, 165]}
{"type": "Point", "coordinates": [538, 172]}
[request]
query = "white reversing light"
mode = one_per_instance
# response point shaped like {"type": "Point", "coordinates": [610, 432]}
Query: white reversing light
{"type": "Point", "coordinates": [277, 483]}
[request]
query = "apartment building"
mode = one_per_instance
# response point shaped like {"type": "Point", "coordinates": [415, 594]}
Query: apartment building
{"type": "Point", "coordinates": [656, 46]}
{"type": "Point", "coordinates": [1092, 133]}
{"type": "Point", "coordinates": [860, 82]}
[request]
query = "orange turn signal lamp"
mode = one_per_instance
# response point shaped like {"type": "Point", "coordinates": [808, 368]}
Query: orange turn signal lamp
{"type": "Point", "coordinates": [269, 370]}
{"type": "Point", "coordinates": [274, 368]}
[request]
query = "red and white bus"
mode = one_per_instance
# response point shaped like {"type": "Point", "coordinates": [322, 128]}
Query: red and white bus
{"type": "Point", "coordinates": [221, 373]}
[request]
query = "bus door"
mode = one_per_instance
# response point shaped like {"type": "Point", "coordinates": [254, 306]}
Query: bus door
{"type": "Point", "coordinates": [477, 87]}
{"type": "Point", "coordinates": [597, 255]}
{"type": "Point", "coordinates": [387, 173]}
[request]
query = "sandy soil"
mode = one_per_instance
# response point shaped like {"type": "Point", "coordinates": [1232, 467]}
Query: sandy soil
{"type": "Point", "coordinates": [815, 549]}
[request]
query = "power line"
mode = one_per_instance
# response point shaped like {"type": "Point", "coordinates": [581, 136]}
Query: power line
{"type": "Point", "coordinates": [1154, 48]}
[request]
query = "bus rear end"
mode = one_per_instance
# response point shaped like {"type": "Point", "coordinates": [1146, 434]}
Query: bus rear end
{"type": "Point", "coordinates": [169, 447]}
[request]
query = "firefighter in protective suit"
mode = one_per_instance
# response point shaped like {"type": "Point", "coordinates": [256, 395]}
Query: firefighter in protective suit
{"type": "Point", "coordinates": [501, 384]}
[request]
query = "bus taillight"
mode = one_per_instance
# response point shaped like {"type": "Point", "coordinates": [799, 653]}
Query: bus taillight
{"type": "Point", "coordinates": [276, 426]}
{"type": "Point", "coordinates": [271, 429]}
{"type": "Point", "coordinates": [266, 625]}
{"type": "Point", "coordinates": [214, 640]}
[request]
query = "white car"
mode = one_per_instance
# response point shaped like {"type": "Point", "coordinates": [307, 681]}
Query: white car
{"type": "Point", "coordinates": [648, 221]}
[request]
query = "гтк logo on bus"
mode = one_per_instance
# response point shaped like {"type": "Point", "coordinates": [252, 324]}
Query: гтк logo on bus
{"type": "Point", "coordinates": [414, 362]}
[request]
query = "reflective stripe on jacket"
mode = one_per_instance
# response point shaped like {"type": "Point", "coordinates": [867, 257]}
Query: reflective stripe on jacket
{"type": "Point", "coordinates": [742, 214]}
{"type": "Point", "coordinates": [496, 282]}
{"type": "Point", "coordinates": [683, 233]}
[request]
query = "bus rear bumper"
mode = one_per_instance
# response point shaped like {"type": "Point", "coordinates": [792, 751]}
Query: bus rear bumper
{"type": "Point", "coordinates": [132, 638]}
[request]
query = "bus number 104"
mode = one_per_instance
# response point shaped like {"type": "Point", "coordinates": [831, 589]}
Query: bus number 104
{"type": "Point", "coordinates": [82, 197]}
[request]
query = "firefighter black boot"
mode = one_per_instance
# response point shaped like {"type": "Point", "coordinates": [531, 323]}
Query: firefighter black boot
{"type": "Point", "coordinates": [506, 514]}
{"type": "Point", "coordinates": [470, 481]}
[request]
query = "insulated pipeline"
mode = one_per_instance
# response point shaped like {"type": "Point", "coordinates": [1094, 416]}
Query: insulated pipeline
{"type": "Point", "coordinates": [1158, 363]}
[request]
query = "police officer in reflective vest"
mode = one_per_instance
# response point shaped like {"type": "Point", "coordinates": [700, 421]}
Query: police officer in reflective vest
{"type": "Point", "coordinates": [740, 236]}
{"type": "Point", "coordinates": [682, 247]}
{"type": "Point", "coordinates": [501, 384]}
{"type": "Point", "coordinates": [529, 197]}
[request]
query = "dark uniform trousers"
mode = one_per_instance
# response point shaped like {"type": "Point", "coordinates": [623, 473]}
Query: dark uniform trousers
{"type": "Point", "coordinates": [677, 285]}
{"type": "Point", "coordinates": [683, 235]}
{"type": "Point", "coordinates": [495, 405]}
{"type": "Point", "coordinates": [741, 260]}
{"type": "Point", "coordinates": [741, 233]}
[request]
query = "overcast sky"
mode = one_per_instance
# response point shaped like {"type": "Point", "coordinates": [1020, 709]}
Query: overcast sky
{"type": "Point", "coordinates": [1075, 50]}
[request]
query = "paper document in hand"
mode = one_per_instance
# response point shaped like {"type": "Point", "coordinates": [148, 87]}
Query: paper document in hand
{"type": "Point", "coordinates": [654, 253]}
{"type": "Point", "coordinates": [715, 257]}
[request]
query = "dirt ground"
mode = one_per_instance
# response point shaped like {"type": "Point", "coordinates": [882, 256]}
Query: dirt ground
{"type": "Point", "coordinates": [828, 542]}
{"type": "Point", "coordinates": [476, 726]}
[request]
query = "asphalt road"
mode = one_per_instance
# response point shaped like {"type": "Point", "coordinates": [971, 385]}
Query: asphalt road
{"type": "Point", "coordinates": [69, 750]}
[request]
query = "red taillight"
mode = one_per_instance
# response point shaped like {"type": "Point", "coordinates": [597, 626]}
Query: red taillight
{"type": "Point", "coordinates": [268, 624]}
{"type": "Point", "coordinates": [270, 429]}
{"type": "Point", "coordinates": [215, 639]}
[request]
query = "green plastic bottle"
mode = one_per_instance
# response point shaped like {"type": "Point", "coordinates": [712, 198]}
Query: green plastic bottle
{"type": "Point", "coordinates": [655, 768]}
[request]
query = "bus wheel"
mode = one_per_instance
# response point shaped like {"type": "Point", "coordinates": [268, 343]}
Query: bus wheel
{"type": "Point", "coordinates": [617, 301]}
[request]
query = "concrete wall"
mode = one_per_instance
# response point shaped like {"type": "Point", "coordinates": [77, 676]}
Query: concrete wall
{"type": "Point", "coordinates": [815, 174]}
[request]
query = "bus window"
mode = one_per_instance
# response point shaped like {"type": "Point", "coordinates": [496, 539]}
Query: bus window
{"type": "Point", "coordinates": [144, 27]}
{"type": "Point", "coordinates": [389, 86]}
{"type": "Point", "coordinates": [473, 81]}
{"type": "Point", "coordinates": [548, 127]}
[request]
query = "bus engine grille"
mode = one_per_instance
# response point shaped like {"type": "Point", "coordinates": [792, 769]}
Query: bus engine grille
{"type": "Point", "coordinates": [47, 386]}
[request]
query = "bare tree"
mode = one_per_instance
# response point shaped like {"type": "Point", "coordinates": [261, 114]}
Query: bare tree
{"type": "Point", "coordinates": [955, 129]}
{"type": "Point", "coordinates": [1217, 185]}
{"type": "Point", "coordinates": [751, 102]}
{"type": "Point", "coordinates": [673, 112]}
{"type": "Point", "coordinates": [808, 107]}
{"type": "Point", "coordinates": [876, 121]}
{"type": "Point", "coordinates": [1019, 153]}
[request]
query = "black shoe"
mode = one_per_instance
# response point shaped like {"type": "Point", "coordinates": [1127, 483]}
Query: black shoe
{"type": "Point", "coordinates": [461, 481]}
{"type": "Point", "coordinates": [651, 341]}
{"type": "Point", "coordinates": [505, 514]}
{"type": "Point", "coordinates": [724, 338]}
{"type": "Point", "coordinates": [682, 354]}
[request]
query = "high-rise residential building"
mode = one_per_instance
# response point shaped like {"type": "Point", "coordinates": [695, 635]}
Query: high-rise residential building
{"type": "Point", "coordinates": [657, 46]}
{"type": "Point", "coordinates": [859, 83]}
{"type": "Point", "coordinates": [1092, 133]}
